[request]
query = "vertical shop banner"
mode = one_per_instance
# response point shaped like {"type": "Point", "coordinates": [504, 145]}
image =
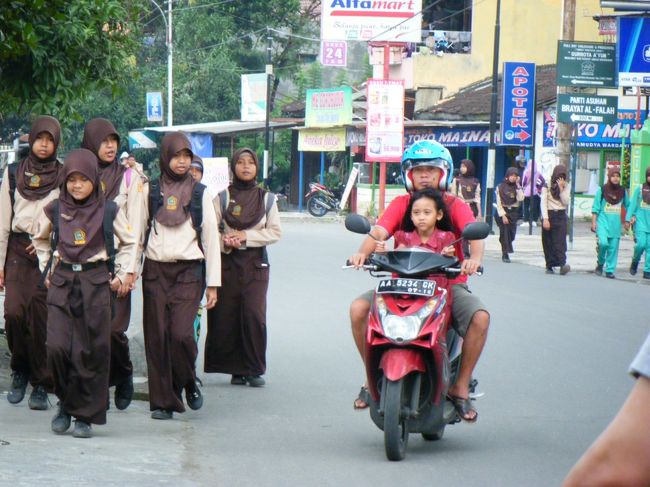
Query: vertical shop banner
{"type": "Point", "coordinates": [328, 108]}
{"type": "Point", "coordinates": [518, 104]}
{"type": "Point", "coordinates": [253, 97]}
{"type": "Point", "coordinates": [385, 120]}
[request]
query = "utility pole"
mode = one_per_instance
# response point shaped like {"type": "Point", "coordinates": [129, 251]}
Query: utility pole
{"type": "Point", "coordinates": [269, 76]}
{"type": "Point", "coordinates": [563, 130]}
{"type": "Point", "coordinates": [493, 119]}
{"type": "Point", "coordinates": [170, 81]}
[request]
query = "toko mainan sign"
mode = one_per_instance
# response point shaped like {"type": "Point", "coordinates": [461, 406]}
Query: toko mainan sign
{"type": "Point", "coordinates": [376, 20]}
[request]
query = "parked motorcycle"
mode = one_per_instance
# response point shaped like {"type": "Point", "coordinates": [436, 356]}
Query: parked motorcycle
{"type": "Point", "coordinates": [412, 354]}
{"type": "Point", "coordinates": [322, 199]}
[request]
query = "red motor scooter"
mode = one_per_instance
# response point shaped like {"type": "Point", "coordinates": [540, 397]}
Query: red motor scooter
{"type": "Point", "coordinates": [412, 355]}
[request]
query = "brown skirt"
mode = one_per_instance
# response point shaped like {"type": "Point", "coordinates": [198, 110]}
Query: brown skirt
{"type": "Point", "coordinates": [236, 339]}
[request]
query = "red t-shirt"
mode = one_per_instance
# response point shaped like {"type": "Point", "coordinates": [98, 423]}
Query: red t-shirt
{"type": "Point", "coordinates": [459, 213]}
{"type": "Point", "coordinates": [438, 240]}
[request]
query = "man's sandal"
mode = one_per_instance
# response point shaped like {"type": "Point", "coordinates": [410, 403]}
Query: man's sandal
{"type": "Point", "coordinates": [464, 408]}
{"type": "Point", "coordinates": [362, 400]}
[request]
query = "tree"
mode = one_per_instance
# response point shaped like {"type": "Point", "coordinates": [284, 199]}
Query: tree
{"type": "Point", "coordinates": [53, 53]}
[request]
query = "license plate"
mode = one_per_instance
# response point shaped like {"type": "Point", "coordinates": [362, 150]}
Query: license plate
{"type": "Point", "coordinates": [419, 287]}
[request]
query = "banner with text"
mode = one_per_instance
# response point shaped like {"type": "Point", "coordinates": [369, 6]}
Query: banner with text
{"type": "Point", "coordinates": [253, 97]}
{"type": "Point", "coordinates": [518, 104]}
{"type": "Point", "coordinates": [327, 108]}
{"type": "Point", "coordinates": [321, 140]}
{"type": "Point", "coordinates": [385, 120]}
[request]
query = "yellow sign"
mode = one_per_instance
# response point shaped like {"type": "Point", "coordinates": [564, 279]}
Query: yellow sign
{"type": "Point", "coordinates": [321, 140]}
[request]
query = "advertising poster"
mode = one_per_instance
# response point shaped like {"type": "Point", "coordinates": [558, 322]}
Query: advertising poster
{"type": "Point", "coordinates": [321, 140]}
{"type": "Point", "coordinates": [327, 108]}
{"type": "Point", "coordinates": [253, 97]}
{"type": "Point", "coordinates": [385, 120]}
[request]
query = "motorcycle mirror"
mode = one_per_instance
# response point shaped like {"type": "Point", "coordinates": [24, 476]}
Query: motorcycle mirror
{"type": "Point", "coordinates": [357, 223]}
{"type": "Point", "coordinates": [476, 231]}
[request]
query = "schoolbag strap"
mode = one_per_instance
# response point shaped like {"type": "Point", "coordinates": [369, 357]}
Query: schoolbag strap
{"type": "Point", "coordinates": [223, 204]}
{"type": "Point", "coordinates": [110, 212]}
{"type": "Point", "coordinates": [154, 203]}
{"type": "Point", "coordinates": [196, 211]}
{"type": "Point", "coordinates": [270, 201]}
{"type": "Point", "coordinates": [54, 242]}
{"type": "Point", "coordinates": [11, 172]}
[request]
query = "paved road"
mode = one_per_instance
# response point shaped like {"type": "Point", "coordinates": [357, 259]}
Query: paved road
{"type": "Point", "coordinates": [553, 373]}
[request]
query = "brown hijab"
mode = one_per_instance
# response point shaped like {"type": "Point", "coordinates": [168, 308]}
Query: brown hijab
{"type": "Point", "coordinates": [467, 182]}
{"type": "Point", "coordinates": [111, 173]}
{"type": "Point", "coordinates": [35, 177]}
{"type": "Point", "coordinates": [176, 189]}
{"type": "Point", "coordinates": [559, 172]}
{"type": "Point", "coordinates": [613, 193]}
{"type": "Point", "coordinates": [645, 189]}
{"type": "Point", "coordinates": [80, 222]}
{"type": "Point", "coordinates": [246, 206]}
{"type": "Point", "coordinates": [508, 190]}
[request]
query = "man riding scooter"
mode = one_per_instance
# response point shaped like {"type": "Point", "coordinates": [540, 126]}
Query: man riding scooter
{"type": "Point", "coordinates": [427, 164]}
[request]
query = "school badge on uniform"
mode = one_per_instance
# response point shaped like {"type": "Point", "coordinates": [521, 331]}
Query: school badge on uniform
{"type": "Point", "coordinates": [172, 203]}
{"type": "Point", "coordinates": [103, 184]}
{"type": "Point", "coordinates": [236, 211]}
{"type": "Point", "coordinates": [79, 237]}
{"type": "Point", "coordinates": [35, 181]}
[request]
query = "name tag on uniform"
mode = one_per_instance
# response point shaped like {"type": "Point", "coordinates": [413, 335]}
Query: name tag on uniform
{"type": "Point", "coordinates": [613, 208]}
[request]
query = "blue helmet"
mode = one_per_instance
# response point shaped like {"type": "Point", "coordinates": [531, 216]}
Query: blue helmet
{"type": "Point", "coordinates": [427, 153]}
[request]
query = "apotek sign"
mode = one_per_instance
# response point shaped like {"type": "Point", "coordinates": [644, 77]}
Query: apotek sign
{"type": "Point", "coordinates": [518, 111]}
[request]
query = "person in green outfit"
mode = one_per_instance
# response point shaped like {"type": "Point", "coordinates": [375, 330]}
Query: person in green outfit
{"type": "Point", "coordinates": [639, 216]}
{"type": "Point", "coordinates": [606, 221]}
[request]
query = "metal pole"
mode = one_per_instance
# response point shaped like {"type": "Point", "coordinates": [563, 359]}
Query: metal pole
{"type": "Point", "coordinates": [491, 162]}
{"type": "Point", "coordinates": [269, 75]}
{"type": "Point", "coordinates": [532, 166]}
{"type": "Point", "coordinates": [574, 164]}
{"type": "Point", "coordinates": [301, 186]}
{"type": "Point", "coordinates": [170, 70]}
{"type": "Point", "coordinates": [322, 167]}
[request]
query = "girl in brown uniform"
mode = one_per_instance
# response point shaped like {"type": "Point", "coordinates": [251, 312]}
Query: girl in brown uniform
{"type": "Point", "coordinates": [554, 203]}
{"type": "Point", "coordinates": [78, 298]}
{"type": "Point", "coordinates": [509, 198]}
{"type": "Point", "coordinates": [236, 340]}
{"type": "Point", "coordinates": [124, 186]}
{"type": "Point", "coordinates": [178, 264]}
{"type": "Point", "coordinates": [27, 187]}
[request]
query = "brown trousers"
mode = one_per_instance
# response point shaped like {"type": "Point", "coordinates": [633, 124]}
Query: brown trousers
{"type": "Point", "coordinates": [121, 366]}
{"type": "Point", "coordinates": [26, 313]}
{"type": "Point", "coordinates": [508, 231]}
{"type": "Point", "coordinates": [172, 294]}
{"type": "Point", "coordinates": [554, 240]}
{"type": "Point", "coordinates": [79, 341]}
{"type": "Point", "coordinates": [236, 339]}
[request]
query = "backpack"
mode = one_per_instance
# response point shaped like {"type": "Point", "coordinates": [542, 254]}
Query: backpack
{"type": "Point", "coordinates": [11, 172]}
{"type": "Point", "coordinates": [223, 201]}
{"type": "Point", "coordinates": [110, 212]}
{"type": "Point", "coordinates": [196, 208]}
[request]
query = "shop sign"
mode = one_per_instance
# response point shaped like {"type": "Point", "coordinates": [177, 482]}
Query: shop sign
{"type": "Point", "coordinates": [321, 140]}
{"type": "Point", "coordinates": [327, 108]}
{"type": "Point", "coordinates": [518, 107]}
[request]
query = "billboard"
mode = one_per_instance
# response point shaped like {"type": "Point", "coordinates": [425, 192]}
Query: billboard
{"type": "Point", "coordinates": [518, 108]}
{"type": "Point", "coordinates": [371, 20]}
{"type": "Point", "coordinates": [633, 51]}
{"type": "Point", "coordinates": [329, 107]}
{"type": "Point", "coordinates": [385, 120]}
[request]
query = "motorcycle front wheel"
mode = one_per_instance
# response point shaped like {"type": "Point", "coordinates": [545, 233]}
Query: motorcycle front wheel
{"type": "Point", "coordinates": [315, 207]}
{"type": "Point", "coordinates": [396, 428]}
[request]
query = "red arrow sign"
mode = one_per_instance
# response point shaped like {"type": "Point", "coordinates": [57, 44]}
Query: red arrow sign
{"type": "Point", "coordinates": [522, 135]}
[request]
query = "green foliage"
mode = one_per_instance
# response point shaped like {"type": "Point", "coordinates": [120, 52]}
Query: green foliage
{"type": "Point", "coordinates": [625, 167]}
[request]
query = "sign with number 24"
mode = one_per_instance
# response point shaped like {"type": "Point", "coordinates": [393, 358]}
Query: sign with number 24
{"type": "Point", "coordinates": [334, 53]}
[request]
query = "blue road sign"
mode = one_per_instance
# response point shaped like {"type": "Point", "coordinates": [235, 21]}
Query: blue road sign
{"type": "Point", "coordinates": [518, 104]}
{"type": "Point", "coordinates": [633, 51]}
{"type": "Point", "coordinates": [154, 106]}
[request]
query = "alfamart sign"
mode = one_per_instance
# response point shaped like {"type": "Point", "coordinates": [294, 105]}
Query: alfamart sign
{"type": "Point", "coordinates": [376, 20]}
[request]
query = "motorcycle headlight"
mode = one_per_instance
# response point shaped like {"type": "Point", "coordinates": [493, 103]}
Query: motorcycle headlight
{"type": "Point", "coordinates": [404, 328]}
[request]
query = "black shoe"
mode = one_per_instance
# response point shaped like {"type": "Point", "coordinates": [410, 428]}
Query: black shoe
{"type": "Point", "coordinates": [255, 380]}
{"type": "Point", "coordinates": [599, 270]}
{"type": "Point", "coordinates": [82, 429]}
{"type": "Point", "coordinates": [124, 393]}
{"type": "Point", "coordinates": [646, 275]}
{"type": "Point", "coordinates": [238, 380]}
{"type": "Point", "coordinates": [38, 399]}
{"type": "Point", "coordinates": [506, 258]}
{"type": "Point", "coordinates": [18, 386]}
{"type": "Point", "coordinates": [61, 421]}
{"type": "Point", "coordinates": [193, 397]}
{"type": "Point", "coordinates": [549, 270]}
{"type": "Point", "coordinates": [610, 275]}
{"type": "Point", "coordinates": [162, 414]}
{"type": "Point", "coordinates": [564, 270]}
{"type": "Point", "coordinates": [633, 267]}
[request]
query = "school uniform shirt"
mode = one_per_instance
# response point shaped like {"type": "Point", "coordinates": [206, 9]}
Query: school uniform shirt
{"type": "Point", "coordinates": [22, 218]}
{"type": "Point", "coordinates": [456, 190]}
{"type": "Point", "coordinates": [265, 232]}
{"type": "Point", "coordinates": [173, 244]}
{"type": "Point", "coordinates": [130, 199]}
{"type": "Point", "coordinates": [550, 203]}
{"type": "Point", "coordinates": [501, 209]}
{"type": "Point", "coordinates": [124, 250]}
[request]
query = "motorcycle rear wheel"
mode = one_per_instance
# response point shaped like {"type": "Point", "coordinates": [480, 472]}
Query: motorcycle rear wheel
{"type": "Point", "coordinates": [396, 428]}
{"type": "Point", "coordinates": [316, 208]}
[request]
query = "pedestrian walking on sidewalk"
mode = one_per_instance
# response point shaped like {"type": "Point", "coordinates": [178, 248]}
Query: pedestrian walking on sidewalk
{"type": "Point", "coordinates": [509, 198]}
{"type": "Point", "coordinates": [76, 238]}
{"type": "Point", "coordinates": [639, 216]}
{"type": "Point", "coordinates": [249, 221]}
{"type": "Point", "coordinates": [554, 203]}
{"type": "Point", "coordinates": [609, 201]}
{"type": "Point", "coordinates": [27, 187]}
{"type": "Point", "coordinates": [181, 259]}
{"type": "Point", "coordinates": [532, 192]}
{"type": "Point", "coordinates": [123, 185]}
{"type": "Point", "coordinates": [467, 187]}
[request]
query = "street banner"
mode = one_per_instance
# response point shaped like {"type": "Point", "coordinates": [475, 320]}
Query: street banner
{"type": "Point", "coordinates": [321, 140]}
{"type": "Point", "coordinates": [385, 120]}
{"type": "Point", "coordinates": [154, 106]}
{"type": "Point", "coordinates": [633, 51]}
{"type": "Point", "coordinates": [328, 108]}
{"type": "Point", "coordinates": [216, 174]}
{"type": "Point", "coordinates": [371, 20]}
{"type": "Point", "coordinates": [518, 104]}
{"type": "Point", "coordinates": [139, 139]}
{"type": "Point", "coordinates": [253, 97]}
{"type": "Point", "coordinates": [574, 107]}
{"type": "Point", "coordinates": [348, 186]}
{"type": "Point", "coordinates": [334, 53]}
{"type": "Point", "coordinates": [586, 64]}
